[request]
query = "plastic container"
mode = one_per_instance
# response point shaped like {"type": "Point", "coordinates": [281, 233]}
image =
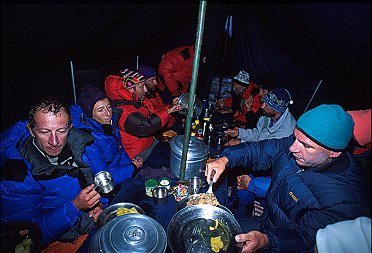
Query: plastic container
{"type": "Point", "coordinates": [150, 184]}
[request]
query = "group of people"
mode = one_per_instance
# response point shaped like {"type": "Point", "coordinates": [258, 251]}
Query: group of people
{"type": "Point", "coordinates": [49, 161]}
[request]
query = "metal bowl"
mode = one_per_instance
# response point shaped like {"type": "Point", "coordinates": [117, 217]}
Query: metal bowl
{"type": "Point", "coordinates": [190, 229]}
{"type": "Point", "coordinates": [109, 213]}
{"type": "Point", "coordinates": [135, 233]}
{"type": "Point", "coordinates": [184, 102]}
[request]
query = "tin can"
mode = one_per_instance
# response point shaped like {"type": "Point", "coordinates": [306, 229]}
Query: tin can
{"type": "Point", "coordinates": [182, 191]}
{"type": "Point", "coordinates": [150, 184]}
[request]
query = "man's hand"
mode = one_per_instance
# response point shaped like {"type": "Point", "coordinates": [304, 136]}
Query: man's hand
{"type": "Point", "coordinates": [218, 166]}
{"type": "Point", "coordinates": [96, 211]}
{"type": "Point", "coordinates": [232, 142]}
{"type": "Point", "coordinates": [175, 107]}
{"type": "Point", "coordinates": [137, 161]}
{"type": "Point", "coordinates": [232, 132]}
{"type": "Point", "coordinates": [87, 198]}
{"type": "Point", "coordinates": [248, 103]}
{"type": "Point", "coordinates": [252, 241]}
{"type": "Point", "coordinates": [243, 182]}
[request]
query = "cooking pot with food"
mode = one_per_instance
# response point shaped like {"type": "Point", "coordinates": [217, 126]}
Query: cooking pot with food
{"type": "Point", "coordinates": [203, 228]}
{"type": "Point", "coordinates": [196, 156]}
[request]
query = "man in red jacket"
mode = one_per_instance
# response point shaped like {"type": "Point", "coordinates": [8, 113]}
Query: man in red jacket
{"type": "Point", "coordinates": [245, 101]}
{"type": "Point", "coordinates": [175, 71]}
{"type": "Point", "coordinates": [153, 92]}
{"type": "Point", "coordinates": [139, 121]}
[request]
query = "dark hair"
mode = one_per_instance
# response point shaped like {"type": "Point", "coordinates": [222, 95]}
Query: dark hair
{"type": "Point", "coordinates": [49, 105]}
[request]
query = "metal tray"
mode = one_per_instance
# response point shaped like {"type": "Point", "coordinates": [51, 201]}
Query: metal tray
{"type": "Point", "coordinates": [109, 213]}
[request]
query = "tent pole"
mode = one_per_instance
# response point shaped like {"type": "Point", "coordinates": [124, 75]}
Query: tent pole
{"type": "Point", "coordinates": [73, 81]}
{"type": "Point", "coordinates": [311, 99]}
{"type": "Point", "coordinates": [195, 70]}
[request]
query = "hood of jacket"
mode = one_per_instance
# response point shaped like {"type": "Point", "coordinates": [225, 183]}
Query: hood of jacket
{"type": "Point", "coordinates": [115, 91]}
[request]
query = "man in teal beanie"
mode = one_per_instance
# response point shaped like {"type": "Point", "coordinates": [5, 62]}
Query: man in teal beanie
{"type": "Point", "coordinates": [315, 182]}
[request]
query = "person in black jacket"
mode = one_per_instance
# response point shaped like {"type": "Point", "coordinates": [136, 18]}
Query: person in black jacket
{"type": "Point", "coordinates": [315, 182]}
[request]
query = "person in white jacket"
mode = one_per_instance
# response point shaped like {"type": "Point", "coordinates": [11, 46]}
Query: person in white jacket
{"type": "Point", "coordinates": [277, 122]}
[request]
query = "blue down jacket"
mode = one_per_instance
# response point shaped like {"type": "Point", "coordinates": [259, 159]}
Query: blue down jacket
{"type": "Point", "coordinates": [299, 202]}
{"type": "Point", "coordinates": [33, 189]}
{"type": "Point", "coordinates": [107, 152]}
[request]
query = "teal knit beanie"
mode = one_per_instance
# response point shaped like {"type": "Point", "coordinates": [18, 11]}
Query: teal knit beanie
{"type": "Point", "coordinates": [327, 125]}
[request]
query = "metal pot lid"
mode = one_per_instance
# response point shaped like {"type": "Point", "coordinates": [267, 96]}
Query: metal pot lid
{"type": "Point", "coordinates": [132, 233]}
{"type": "Point", "coordinates": [192, 228]}
{"type": "Point", "coordinates": [197, 148]}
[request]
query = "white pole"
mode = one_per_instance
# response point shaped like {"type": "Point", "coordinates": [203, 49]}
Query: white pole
{"type": "Point", "coordinates": [137, 62]}
{"type": "Point", "coordinates": [73, 81]}
{"type": "Point", "coordinates": [313, 95]}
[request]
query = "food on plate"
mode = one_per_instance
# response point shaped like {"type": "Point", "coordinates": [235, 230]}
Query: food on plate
{"type": "Point", "coordinates": [203, 198]}
{"type": "Point", "coordinates": [124, 210]}
{"type": "Point", "coordinates": [216, 243]}
{"type": "Point", "coordinates": [215, 226]}
{"type": "Point", "coordinates": [167, 135]}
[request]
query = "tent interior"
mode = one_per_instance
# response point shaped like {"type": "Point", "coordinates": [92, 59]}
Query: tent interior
{"type": "Point", "coordinates": [320, 52]}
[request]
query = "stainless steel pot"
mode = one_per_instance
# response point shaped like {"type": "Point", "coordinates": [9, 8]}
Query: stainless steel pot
{"type": "Point", "coordinates": [184, 102]}
{"type": "Point", "coordinates": [196, 156]}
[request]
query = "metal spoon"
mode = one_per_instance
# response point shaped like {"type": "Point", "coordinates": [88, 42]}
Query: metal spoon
{"type": "Point", "coordinates": [210, 187]}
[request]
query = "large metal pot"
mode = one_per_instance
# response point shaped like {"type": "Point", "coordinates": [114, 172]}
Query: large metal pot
{"type": "Point", "coordinates": [196, 156]}
{"type": "Point", "coordinates": [130, 233]}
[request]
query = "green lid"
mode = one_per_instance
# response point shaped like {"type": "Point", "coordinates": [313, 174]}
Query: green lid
{"type": "Point", "coordinates": [151, 183]}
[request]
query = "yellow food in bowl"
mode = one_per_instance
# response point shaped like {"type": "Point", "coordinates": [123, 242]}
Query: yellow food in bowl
{"type": "Point", "coordinates": [124, 210]}
{"type": "Point", "coordinates": [216, 243]}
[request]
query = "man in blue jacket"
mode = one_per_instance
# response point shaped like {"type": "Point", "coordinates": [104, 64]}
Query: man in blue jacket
{"type": "Point", "coordinates": [315, 182]}
{"type": "Point", "coordinates": [44, 178]}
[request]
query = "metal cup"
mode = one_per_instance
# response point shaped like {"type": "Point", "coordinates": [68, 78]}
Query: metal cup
{"type": "Point", "coordinates": [160, 195]}
{"type": "Point", "coordinates": [194, 185]}
{"type": "Point", "coordinates": [103, 181]}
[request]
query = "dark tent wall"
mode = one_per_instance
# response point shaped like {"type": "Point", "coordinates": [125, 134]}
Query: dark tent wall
{"type": "Point", "coordinates": [293, 46]}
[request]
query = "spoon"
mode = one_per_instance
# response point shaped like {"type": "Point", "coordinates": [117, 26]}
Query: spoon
{"type": "Point", "coordinates": [210, 187]}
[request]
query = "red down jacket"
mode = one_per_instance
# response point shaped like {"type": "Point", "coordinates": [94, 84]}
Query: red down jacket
{"type": "Point", "coordinates": [175, 70]}
{"type": "Point", "coordinates": [139, 121]}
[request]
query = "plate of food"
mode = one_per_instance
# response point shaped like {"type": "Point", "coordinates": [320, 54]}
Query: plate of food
{"type": "Point", "coordinates": [203, 228]}
{"type": "Point", "coordinates": [116, 210]}
{"type": "Point", "coordinates": [169, 134]}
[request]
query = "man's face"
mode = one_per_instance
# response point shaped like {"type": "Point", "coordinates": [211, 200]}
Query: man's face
{"type": "Point", "coordinates": [102, 111]}
{"type": "Point", "coordinates": [267, 110]}
{"type": "Point", "coordinates": [239, 89]}
{"type": "Point", "coordinates": [262, 94]}
{"type": "Point", "coordinates": [50, 132]}
{"type": "Point", "coordinates": [309, 154]}
{"type": "Point", "coordinates": [151, 84]}
{"type": "Point", "coordinates": [139, 90]}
